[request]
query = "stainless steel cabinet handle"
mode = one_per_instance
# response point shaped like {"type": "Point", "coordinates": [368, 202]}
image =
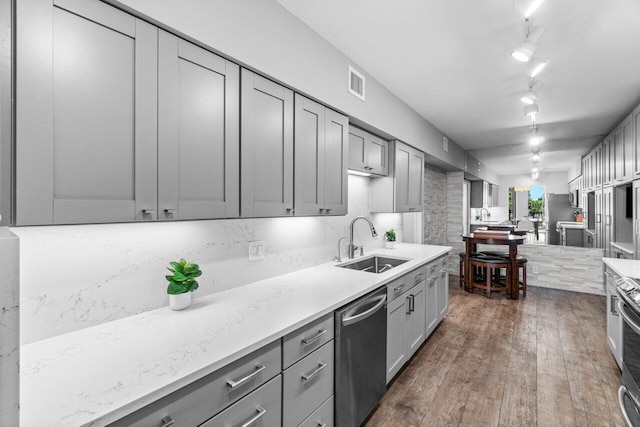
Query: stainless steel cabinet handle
{"type": "Point", "coordinates": [626, 317]}
{"type": "Point", "coordinates": [148, 211]}
{"type": "Point", "coordinates": [408, 303]}
{"type": "Point", "coordinates": [613, 305]}
{"type": "Point", "coordinates": [346, 321]}
{"type": "Point", "coordinates": [432, 282]}
{"type": "Point", "coordinates": [167, 421]}
{"type": "Point", "coordinates": [419, 277]}
{"type": "Point", "coordinates": [413, 303]}
{"type": "Point", "coordinates": [170, 210]}
{"type": "Point", "coordinates": [321, 424]}
{"type": "Point", "coordinates": [327, 210]}
{"type": "Point", "coordinates": [290, 211]}
{"type": "Point", "coordinates": [598, 218]}
{"type": "Point", "coordinates": [261, 412]}
{"type": "Point", "coordinates": [315, 372]}
{"type": "Point", "coordinates": [236, 383]}
{"type": "Point", "coordinates": [315, 337]}
{"type": "Point", "coordinates": [399, 287]}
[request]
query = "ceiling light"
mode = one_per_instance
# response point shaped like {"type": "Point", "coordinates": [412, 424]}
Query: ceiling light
{"type": "Point", "coordinates": [534, 170]}
{"type": "Point", "coordinates": [532, 6]}
{"type": "Point", "coordinates": [534, 67]}
{"type": "Point", "coordinates": [536, 157]}
{"type": "Point", "coordinates": [531, 110]}
{"type": "Point", "coordinates": [535, 140]}
{"type": "Point", "coordinates": [529, 97]}
{"type": "Point", "coordinates": [524, 50]}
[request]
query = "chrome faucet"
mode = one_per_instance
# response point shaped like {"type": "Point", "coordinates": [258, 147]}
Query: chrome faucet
{"type": "Point", "coordinates": [351, 249]}
{"type": "Point", "coordinates": [482, 212]}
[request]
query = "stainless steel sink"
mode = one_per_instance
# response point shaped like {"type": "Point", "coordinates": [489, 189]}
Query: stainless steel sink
{"type": "Point", "coordinates": [374, 264]}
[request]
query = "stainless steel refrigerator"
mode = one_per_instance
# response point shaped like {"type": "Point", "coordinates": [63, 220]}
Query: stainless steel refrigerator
{"type": "Point", "coordinates": [557, 207]}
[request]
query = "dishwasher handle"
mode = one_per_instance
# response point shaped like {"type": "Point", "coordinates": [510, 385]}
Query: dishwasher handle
{"type": "Point", "coordinates": [346, 321]}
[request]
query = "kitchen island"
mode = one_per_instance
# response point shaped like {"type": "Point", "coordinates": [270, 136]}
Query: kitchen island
{"type": "Point", "coordinates": [97, 375]}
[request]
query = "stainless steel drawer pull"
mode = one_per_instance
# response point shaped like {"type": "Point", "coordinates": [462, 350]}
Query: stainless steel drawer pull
{"type": "Point", "coordinates": [418, 277]}
{"type": "Point", "coordinates": [399, 287]}
{"type": "Point", "coordinates": [261, 412]}
{"type": "Point", "coordinates": [236, 383]}
{"type": "Point", "coordinates": [314, 338]}
{"type": "Point", "coordinates": [432, 282]}
{"type": "Point", "coordinates": [170, 210]}
{"type": "Point", "coordinates": [167, 421]}
{"type": "Point", "coordinates": [315, 372]}
{"type": "Point", "coordinates": [321, 424]}
{"type": "Point", "coordinates": [148, 211]}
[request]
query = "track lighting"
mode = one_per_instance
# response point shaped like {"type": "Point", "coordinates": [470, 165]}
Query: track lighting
{"type": "Point", "coordinates": [534, 169]}
{"type": "Point", "coordinates": [531, 110]}
{"type": "Point", "coordinates": [531, 7]}
{"type": "Point", "coordinates": [533, 67]}
{"type": "Point", "coordinates": [535, 158]}
{"type": "Point", "coordinates": [524, 50]}
{"type": "Point", "coordinates": [535, 140]}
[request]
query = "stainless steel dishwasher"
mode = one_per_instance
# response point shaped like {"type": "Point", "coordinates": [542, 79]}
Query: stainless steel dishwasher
{"type": "Point", "coordinates": [361, 353]}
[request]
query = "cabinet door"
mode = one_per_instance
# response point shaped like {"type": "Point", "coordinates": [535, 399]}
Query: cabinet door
{"type": "Point", "coordinates": [335, 163]}
{"type": "Point", "coordinates": [416, 321]}
{"type": "Point", "coordinates": [608, 231]}
{"type": "Point", "coordinates": [396, 348]}
{"type": "Point", "coordinates": [443, 293]}
{"type": "Point", "coordinates": [198, 140]}
{"type": "Point", "coordinates": [409, 172]}
{"type": "Point", "coordinates": [431, 304]}
{"type": "Point", "coordinates": [636, 141]}
{"type": "Point", "coordinates": [266, 148]}
{"type": "Point", "coordinates": [607, 167]}
{"type": "Point", "coordinates": [377, 155]}
{"type": "Point", "coordinates": [626, 133]}
{"type": "Point", "coordinates": [636, 218]}
{"type": "Point", "coordinates": [597, 166]}
{"type": "Point", "coordinates": [357, 149]}
{"type": "Point", "coordinates": [614, 321]}
{"type": "Point", "coordinates": [95, 159]}
{"type": "Point", "coordinates": [599, 213]}
{"type": "Point", "coordinates": [309, 156]}
{"type": "Point", "coordinates": [618, 153]}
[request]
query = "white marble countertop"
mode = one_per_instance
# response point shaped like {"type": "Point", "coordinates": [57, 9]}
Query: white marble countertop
{"type": "Point", "coordinates": [97, 375]}
{"type": "Point", "coordinates": [570, 224]}
{"type": "Point", "coordinates": [624, 267]}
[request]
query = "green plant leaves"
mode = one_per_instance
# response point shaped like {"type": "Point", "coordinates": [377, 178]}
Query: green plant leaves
{"type": "Point", "coordinates": [182, 279]}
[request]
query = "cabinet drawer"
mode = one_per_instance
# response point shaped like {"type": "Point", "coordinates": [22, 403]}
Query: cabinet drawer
{"type": "Point", "coordinates": [303, 341]}
{"type": "Point", "coordinates": [307, 384]}
{"type": "Point", "coordinates": [402, 284]}
{"type": "Point", "coordinates": [321, 417]}
{"type": "Point", "coordinates": [262, 408]}
{"type": "Point", "coordinates": [200, 400]}
{"type": "Point", "coordinates": [433, 267]}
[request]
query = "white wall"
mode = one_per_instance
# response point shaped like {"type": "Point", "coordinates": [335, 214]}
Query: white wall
{"type": "Point", "coordinates": [266, 37]}
{"type": "Point", "coordinates": [553, 182]}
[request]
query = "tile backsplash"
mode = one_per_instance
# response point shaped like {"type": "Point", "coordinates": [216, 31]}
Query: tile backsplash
{"type": "Point", "coordinates": [72, 277]}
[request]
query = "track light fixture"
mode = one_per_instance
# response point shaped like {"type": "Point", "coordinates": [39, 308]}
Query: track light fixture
{"type": "Point", "coordinates": [524, 51]}
{"type": "Point", "coordinates": [531, 110]}
{"type": "Point", "coordinates": [535, 158]}
{"type": "Point", "coordinates": [533, 67]}
{"type": "Point", "coordinates": [531, 7]}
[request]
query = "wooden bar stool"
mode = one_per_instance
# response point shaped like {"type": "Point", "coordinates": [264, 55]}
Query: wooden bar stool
{"type": "Point", "coordinates": [491, 268]}
{"type": "Point", "coordinates": [522, 264]}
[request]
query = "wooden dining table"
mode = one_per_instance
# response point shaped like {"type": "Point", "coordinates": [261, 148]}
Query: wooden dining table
{"type": "Point", "coordinates": [472, 241]}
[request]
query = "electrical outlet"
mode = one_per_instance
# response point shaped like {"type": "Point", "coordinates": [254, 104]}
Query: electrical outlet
{"type": "Point", "coordinates": [256, 250]}
{"type": "Point", "coordinates": [534, 269]}
{"type": "Point", "coordinates": [428, 218]}
{"type": "Point", "coordinates": [445, 143]}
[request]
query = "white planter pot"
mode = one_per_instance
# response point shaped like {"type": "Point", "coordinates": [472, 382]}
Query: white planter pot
{"type": "Point", "coordinates": [180, 301]}
{"type": "Point", "coordinates": [389, 245]}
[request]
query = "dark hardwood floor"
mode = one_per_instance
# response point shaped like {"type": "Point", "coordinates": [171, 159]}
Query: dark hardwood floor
{"type": "Point", "coordinates": [542, 360]}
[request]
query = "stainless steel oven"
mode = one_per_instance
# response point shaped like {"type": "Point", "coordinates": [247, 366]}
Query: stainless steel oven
{"type": "Point", "coordinates": [629, 392]}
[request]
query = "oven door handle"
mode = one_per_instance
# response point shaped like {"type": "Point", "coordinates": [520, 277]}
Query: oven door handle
{"type": "Point", "coordinates": [627, 318]}
{"type": "Point", "coordinates": [622, 391]}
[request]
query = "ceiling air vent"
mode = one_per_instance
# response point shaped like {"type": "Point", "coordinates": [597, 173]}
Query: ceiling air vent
{"type": "Point", "coordinates": [356, 83]}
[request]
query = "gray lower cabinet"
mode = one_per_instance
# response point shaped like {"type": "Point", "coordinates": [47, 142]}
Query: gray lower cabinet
{"type": "Point", "coordinates": [86, 119]}
{"type": "Point", "coordinates": [614, 319]}
{"type": "Point", "coordinates": [198, 132]}
{"type": "Point", "coordinates": [405, 319]}
{"type": "Point", "coordinates": [367, 152]}
{"type": "Point", "coordinates": [320, 159]}
{"type": "Point", "coordinates": [431, 304]}
{"type": "Point", "coordinates": [266, 153]}
{"type": "Point", "coordinates": [443, 290]}
{"type": "Point", "coordinates": [321, 417]}
{"type": "Point", "coordinates": [307, 384]}
{"type": "Point", "coordinates": [261, 408]}
{"type": "Point", "coordinates": [403, 190]}
{"type": "Point", "coordinates": [197, 402]}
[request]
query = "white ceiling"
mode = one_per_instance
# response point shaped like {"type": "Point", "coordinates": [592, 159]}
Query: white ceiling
{"type": "Point", "coordinates": [450, 61]}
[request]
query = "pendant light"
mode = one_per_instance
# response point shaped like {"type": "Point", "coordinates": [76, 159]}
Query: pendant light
{"type": "Point", "coordinates": [524, 51]}
{"type": "Point", "coordinates": [533, 67]}
{"type": "Point", "coordinates": [531, 7]}
{"type": "Point", "coordinates": [531, 110]}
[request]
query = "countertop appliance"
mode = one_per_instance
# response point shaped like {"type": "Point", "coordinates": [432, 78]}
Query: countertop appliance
{"type": "Point", "coordinates": [629, 309]}
{"type": "Point", "coordinates": [361, 352]}
{"type": "Point", "coordinates": [557, 208]}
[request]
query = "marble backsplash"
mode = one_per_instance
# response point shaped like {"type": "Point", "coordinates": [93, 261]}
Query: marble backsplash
{"type": "Point", "coordinates": [72, 277]}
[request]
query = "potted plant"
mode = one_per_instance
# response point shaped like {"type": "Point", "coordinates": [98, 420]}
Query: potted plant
{"type": "Point", "coordinates": [181, 283]}
{"type": "Point", "coordinates": [390, 237]}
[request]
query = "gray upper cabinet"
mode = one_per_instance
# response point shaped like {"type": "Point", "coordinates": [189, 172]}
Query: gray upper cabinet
{"type": "Point", "coordinates": [367, 152]}
{"type": "Point", "coordinates": [403, 190]}
{"type": "Point", "coordinates": [320, 159]}
{"type": "Point", "coordinates": [266, 147]}
{"type": "Point", "coordinates": [86, 84]}
{"type": "Point", "coordinates": [198, 138]}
